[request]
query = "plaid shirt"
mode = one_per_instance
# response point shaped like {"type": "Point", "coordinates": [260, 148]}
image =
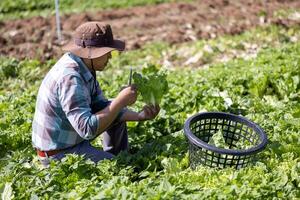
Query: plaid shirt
{"type": "Point", "coordinates": [67, 100]}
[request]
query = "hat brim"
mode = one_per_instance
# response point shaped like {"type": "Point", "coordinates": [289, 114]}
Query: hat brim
{"type": "Point", "coordinates": [93, 52]}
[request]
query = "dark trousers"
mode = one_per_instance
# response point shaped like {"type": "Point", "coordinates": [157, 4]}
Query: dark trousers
{"type": "Point", "coordinates": [115, 140]}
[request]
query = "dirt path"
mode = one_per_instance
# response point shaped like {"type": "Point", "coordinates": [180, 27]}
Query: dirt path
{"type": "Point", "coordinates": [170, 22]}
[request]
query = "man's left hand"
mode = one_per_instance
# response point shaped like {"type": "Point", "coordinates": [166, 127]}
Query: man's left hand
{"type": "Point", "coordinates": [149, 112]}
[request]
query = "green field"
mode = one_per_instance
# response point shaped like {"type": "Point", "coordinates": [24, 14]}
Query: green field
{"type": "Point", "coordinates": [28, 8]}
{"type": "Point", "coordinates": [258, 70]}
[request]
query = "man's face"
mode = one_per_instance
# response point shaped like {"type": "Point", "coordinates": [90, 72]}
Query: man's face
{"type": "Point", "coordinates": [101, 62]}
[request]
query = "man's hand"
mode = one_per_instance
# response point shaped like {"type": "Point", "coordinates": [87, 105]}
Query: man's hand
{"type": "Point", "coordinates": [128, 95]}
{"type": "Point", "coordinates": [148, 112]}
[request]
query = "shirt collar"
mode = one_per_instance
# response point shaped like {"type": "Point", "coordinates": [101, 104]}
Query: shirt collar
{"type": "Point", "coordinates": [84, 70]}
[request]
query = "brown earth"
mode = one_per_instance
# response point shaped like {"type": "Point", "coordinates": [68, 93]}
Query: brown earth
{"type": "Point", "coordinates": [169, 22]}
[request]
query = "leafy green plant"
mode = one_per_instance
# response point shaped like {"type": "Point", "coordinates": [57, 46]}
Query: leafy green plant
{"type": "Point", "coordinates": [8, 68]}
{"type": "Point", "coordinates": [25, 8]}
{"type": "Point", "coordinates": [152, 84]}
{"type": "Point", "coordinates": [218, 140]}
{"type": "Point", "coordinates": [157, 165]}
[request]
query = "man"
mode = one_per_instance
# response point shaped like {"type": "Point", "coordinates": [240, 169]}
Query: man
{"type": "Point", "coordinates": [71, 109]}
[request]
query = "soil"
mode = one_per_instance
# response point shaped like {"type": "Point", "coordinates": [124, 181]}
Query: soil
{"type": "Point", "coordinates": [169, 22]}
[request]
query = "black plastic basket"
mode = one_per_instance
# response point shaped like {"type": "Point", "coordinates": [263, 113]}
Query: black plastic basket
{"type": "Point", "coordinates": [200, 128]}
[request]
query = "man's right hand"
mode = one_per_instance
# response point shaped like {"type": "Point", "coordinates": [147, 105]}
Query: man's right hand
{"type": "Point", "coordinates": [128, 95]}
{"type": "Point", "coordinates": [106, 116]}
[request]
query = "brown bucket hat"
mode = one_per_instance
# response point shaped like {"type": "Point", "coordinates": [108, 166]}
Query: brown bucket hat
{"type": "Point", "coordinates": [92, 40]}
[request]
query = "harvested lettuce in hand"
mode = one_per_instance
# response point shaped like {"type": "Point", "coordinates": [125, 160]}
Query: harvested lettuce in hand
{"type": "Point", "coordinates": [152, 84]}
{"type": "Point", "coordinates": [218, 140]}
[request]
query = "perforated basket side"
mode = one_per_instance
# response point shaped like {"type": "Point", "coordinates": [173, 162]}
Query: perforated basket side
{"type": "Point", "coordinates": [199, 128]}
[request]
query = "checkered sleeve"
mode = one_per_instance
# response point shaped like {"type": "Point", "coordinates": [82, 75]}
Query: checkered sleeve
{"type": "Point", "coordinates": [73, 98]}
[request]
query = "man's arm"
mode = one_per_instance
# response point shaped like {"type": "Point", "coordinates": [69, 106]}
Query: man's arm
{"type": "Point", "coordinates": [148, 112]}
{"type": "Point", "coordinates": [106, 116]}
{"type": "Point", "coordinates": [109, 114]}
{"type": "Point", "coordinates": [73, 101]}
{"type": "Point", "coordinates": [130, 115]}
{"type": "Point", "coordinates": [72, 97]}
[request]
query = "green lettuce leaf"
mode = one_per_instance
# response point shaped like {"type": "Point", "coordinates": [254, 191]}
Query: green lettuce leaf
{"type": "Point", "coordinates": [152, 84]}
{"type": "Point", "coordinates": [218, 140]}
